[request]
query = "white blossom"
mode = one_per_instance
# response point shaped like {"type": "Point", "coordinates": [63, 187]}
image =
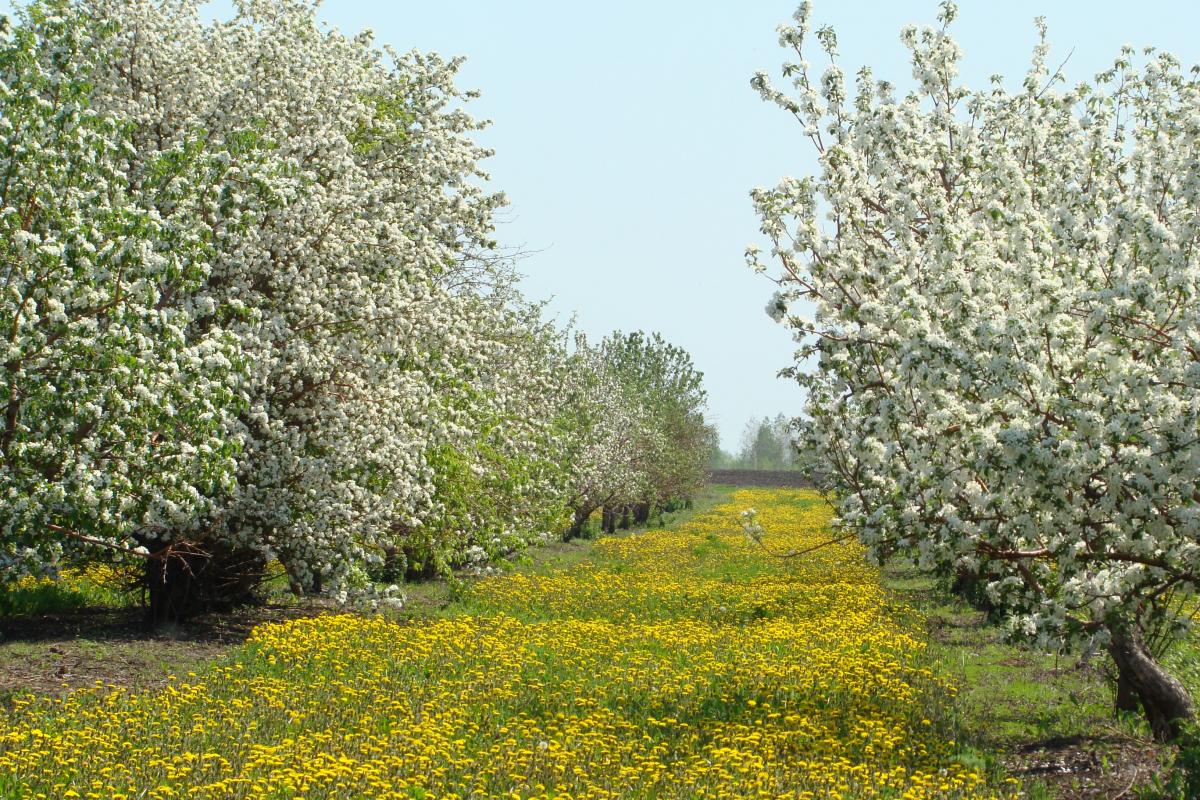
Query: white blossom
{"type": "Point", "coordinates": [1001, 365]}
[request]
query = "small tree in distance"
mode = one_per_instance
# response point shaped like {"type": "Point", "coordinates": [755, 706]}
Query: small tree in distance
{"type": "Point", "coordinates": [767, 444]}
{"type": "Point", "coordinates": [1003, 287]}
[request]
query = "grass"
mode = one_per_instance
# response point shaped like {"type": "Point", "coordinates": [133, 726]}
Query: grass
{"type": "Point", "coordinates": [90, 586]}
{"type": "Point", "coordinates": [61, 635]}
{"type": "Point", "coordinates": [1046, 718]}
{"type": "Point", "coordinates": [570, 610]}
{"type": "Point", "coordinates": [678, 662]}
{"type": "Point", "coordinates": [441, 598]}
{"type": "Point", "coordinates": [116, 586]}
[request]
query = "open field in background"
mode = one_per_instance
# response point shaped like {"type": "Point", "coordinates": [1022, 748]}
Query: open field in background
{"type": "Point", "coordinates": [672, 662]}
{"type": "Point", "coordinates": [681, 662]}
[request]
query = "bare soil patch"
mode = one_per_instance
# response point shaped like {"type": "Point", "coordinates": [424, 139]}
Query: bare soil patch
{"type": "Point", "coordinates": [56, 652]}
{"type": "Point", "coordinates": [1088, 768]}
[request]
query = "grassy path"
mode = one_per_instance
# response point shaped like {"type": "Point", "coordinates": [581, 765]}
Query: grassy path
{"type": "Point", "coordinates": [681, 662]}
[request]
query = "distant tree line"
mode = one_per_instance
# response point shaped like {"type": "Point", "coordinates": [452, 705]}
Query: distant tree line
{"type": "Point", "coordinates": [765, 444]}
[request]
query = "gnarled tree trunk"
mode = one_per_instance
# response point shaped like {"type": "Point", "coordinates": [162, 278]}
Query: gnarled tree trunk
{"type": "Point", "coordinates": [188, 580]}
{"type": "Point", "coordinates": [1165, 702]}
{"type": "Point", "coordinates": [1126, 698]}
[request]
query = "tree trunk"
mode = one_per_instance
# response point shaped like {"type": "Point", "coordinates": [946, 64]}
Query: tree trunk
{"type": "Point", "coordinates": [1126, 699]}
{"type": "Point", "coordinates": [1166, 704]}
{"type": "Point", "coordinates": [609, 520]}
{"type": "Point", "coordinates": [197, 580]}
{"type": "Point", "coordinates": [578, 521]}
{"type": "Point", "coordinates": [971, 587]}
{"type": "Point", "coordinates": [626, 517]}
{"type": "Point", "coordinates": [395, 564]}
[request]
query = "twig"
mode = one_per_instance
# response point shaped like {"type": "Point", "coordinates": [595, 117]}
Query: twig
{"type": "Point", "coordinates": [1132, 781]}
{"type": "Point", "coordinates": [794, 553]}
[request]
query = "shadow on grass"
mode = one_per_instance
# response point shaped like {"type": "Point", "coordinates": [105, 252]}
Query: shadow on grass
{"type": "Point", "coordinates": [55, 652]}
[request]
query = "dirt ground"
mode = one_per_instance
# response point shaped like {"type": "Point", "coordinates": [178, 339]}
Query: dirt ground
{"type": "Point", "coordinates": [52, 653]}
{"type": "Point", "coordinates": [1102, 767]}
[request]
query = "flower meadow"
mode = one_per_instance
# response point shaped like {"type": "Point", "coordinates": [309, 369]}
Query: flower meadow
{"type": "Point", "coordinates": [681, 662]}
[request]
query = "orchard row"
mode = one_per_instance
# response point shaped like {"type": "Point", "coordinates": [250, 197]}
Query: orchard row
{"type": "Point", "coordinates": [253, 312]}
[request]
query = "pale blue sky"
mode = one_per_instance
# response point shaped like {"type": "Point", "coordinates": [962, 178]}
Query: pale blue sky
{"type": "Point", "coordinates": [627, 138]}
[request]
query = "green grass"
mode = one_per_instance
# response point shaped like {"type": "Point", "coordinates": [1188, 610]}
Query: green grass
{"type": "Point", "coordinates": [1009, 695]}
{"type": "Point", "coordinates": [90, 587]}
{"type": "Point", "coordinates": [1017, 705]}
{"type": "Point", "coordinates": [1011, 698]}
{"type": "Point", "coordinates": [1182, 660]}
{"type": "Point", "coordinates": [443, 598]}
{"type": "Point", "coordinates": [93, 630]}
{"type": "Point", "coordinates": [626, 667]}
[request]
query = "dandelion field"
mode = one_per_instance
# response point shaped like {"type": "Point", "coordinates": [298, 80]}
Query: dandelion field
{"type": "Point", "coordinates": [98, 584]}
{"type": "Point", "coordinates": [681, 662]}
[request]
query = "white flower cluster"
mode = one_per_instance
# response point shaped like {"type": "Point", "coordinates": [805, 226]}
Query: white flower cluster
{"type": "Point", "coordinates": [252, 299]}
{"type": "Point", "coordinates": [116, 387]}
{"type": "Point", "coordinates": [1003, 289]}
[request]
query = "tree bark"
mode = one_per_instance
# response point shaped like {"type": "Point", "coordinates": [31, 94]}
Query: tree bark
{"type": "Point", "coordinates": [578, 521]}
{"type": "Point", "coordinates": [608, 521]}
{"type": "Point", "coordinates": [198, 579]}
{"type": "Point", "coordinates": [970, 587]}
{"type": "Point", "coordinates": [394, 565]}
{"type": "Point", "coordinates": [1165, 702]}
{"type": "Point", "coordinates": [626, 517]}
{"type": "Point", "coordinates": [1126, 699]}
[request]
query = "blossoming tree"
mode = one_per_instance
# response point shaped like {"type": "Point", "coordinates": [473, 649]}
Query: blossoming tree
{"type": "Point", "coordinates": [254, 312]}
{"type": "Point", "coordinates": [114, 396]}
{"type": "Point", "coordinates": [608, 437]}
{"type": "Point", "coordinates": [348, 327]}
{"type": "Point", "coordinates": [999, 289]}
{"type": "Point", "coordinates": [676, 439]}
